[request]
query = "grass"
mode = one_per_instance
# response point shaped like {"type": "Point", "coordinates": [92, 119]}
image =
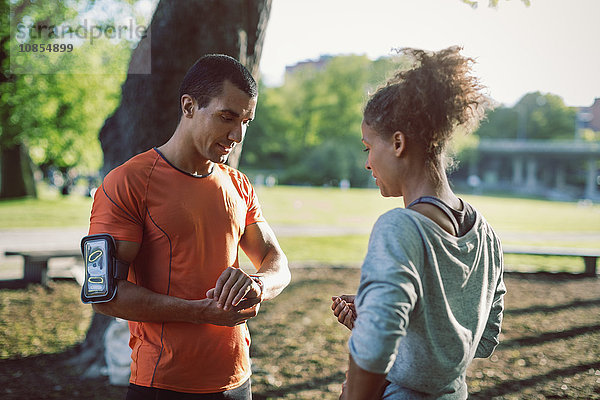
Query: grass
{"type": "Point", "coordinates": [49, 210]}
{"type": "Point", "coordinates": [333, 224]}
{"type": "Point", "coordinates": [359, 208]}
{"type": "Point", "coordinates": [508, 214]}
{"type": "Point", "coordinates": [326, 207]}
{"type": "Point", "coordinates": [55, 320]}
{"type": "Point", "coordinates": [348, 249]}
{"type": "Point", "coordinates": [313, 206]}
{"type": "Point", "coordinates": [550, 345]}
{"type": "Point", "coordinates": [519, 222]}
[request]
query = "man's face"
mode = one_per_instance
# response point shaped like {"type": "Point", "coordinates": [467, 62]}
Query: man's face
{"type": "Point", "coordinates": [219, 126]}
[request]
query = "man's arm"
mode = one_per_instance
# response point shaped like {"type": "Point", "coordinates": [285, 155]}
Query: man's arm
{"type": "Point", "coordinates": [136, 303]}
{"type": "Point", "coordinates": [261, 246]}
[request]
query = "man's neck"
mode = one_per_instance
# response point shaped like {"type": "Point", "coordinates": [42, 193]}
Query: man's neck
{"type": "Point", "coordinates": [181, 156]}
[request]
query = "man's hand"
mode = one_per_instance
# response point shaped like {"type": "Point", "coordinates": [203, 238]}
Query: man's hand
{"type": "Point", "coordinates": [212, 313]}
{"type": "Point", "coordinates": [235, 290]}
{"type": "Point", "coordinates": [136, 303]}
{"type": "Point", "coordinates": [343, 308]}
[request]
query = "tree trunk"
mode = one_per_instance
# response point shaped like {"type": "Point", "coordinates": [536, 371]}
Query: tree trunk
{"type": "Point", "coordinates": [90, 355]}
{"type": "Point", "coordinates": [179, 34]}
{"type": "Point", "coordinates": [16, 173]}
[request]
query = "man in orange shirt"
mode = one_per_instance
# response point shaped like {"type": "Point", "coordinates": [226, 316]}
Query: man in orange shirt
{"type": "Point", "coordinates": [178, 216]}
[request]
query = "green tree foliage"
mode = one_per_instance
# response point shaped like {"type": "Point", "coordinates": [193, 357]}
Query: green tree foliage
{"type": "Point", "coordinates": [55, 103]}
{"type": "Point", "coordinates": [535, 116]}
{"type": "Point", "coordinates": [16, 176]}
{"type": "Point", "coordinates": [501, 123]}
{"type": "Point", "coordinates": [309, 128]}
{"type": "Point", "coordinates": [58, 116]}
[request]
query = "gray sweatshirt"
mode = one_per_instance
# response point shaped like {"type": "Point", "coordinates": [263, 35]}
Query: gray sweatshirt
{"type": "Point", "coordinates": [427, 304]}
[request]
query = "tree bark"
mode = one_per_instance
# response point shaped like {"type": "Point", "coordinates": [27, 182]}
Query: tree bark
{"type": "Point", "coordinates": [179, 34]}
{"type": "Point", "coordinates": [16, 173]}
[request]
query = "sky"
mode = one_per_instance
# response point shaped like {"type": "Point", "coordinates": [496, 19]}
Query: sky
{"type": "Point", "coordinates": [552, 46]}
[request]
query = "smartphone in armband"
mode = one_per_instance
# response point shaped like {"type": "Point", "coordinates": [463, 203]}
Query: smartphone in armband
{"type": "Point", "coordinates": [102, 269]}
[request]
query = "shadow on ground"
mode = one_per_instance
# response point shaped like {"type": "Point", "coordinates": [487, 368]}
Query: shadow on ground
{"type": "Point", "coordinates": [550, 345]}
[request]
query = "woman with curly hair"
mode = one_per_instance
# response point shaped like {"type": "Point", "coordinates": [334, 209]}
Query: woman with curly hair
{"type": "Point", "coordinates": [431, 291]}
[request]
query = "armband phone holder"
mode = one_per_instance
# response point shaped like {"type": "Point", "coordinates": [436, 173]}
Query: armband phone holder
{"type": "Point", "coordinates": [102, 269]}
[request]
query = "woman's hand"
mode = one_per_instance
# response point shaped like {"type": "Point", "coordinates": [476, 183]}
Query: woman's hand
{"type": "Point", "coordinates": [343, 308]}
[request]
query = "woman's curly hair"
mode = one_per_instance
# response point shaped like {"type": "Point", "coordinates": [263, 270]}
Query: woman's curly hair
{"type": "Point", "coordinates": [429, 101]}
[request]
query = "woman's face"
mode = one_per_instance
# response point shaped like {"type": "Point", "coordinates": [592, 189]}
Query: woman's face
{"type": "Point", "coordinates": [382, 161]}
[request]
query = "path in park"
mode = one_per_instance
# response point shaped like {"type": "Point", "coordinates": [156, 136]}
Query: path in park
{"type": "Point", "coordinates": [69, 238]}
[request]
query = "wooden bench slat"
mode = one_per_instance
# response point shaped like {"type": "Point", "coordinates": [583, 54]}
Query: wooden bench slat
{"type": "Point", "coordinates": [551, 251]}
{"type": "Point", "coordinates": [35, 262]}
{"type": "Point", "coordinates": [590, 256]}
{"type": "Point", "coordinates": [45, 253]}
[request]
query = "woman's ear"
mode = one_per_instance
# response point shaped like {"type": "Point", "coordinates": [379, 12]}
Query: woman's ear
{"type": "Point", "coordinates": [399, 142]}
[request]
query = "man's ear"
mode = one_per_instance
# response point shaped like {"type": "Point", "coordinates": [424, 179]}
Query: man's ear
{"type": "Point", "coordinates": [399, 142]}
{"type": "Point", "coordinates": [187, 106]}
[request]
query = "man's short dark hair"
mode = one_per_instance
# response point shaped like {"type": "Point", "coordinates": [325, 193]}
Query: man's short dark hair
{"type": "Point", "coordinates": [204, 80]}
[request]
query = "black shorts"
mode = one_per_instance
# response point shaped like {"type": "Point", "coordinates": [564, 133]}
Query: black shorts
{"type": "Point", "coordinates": [136, 392]}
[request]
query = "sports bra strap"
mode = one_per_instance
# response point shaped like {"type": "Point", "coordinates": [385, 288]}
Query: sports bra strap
{"type": "Point", "coordinates": [442, 206]}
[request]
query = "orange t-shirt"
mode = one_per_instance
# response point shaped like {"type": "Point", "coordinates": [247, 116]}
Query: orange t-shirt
{"type": "Point", "coordinates": [189, 229]}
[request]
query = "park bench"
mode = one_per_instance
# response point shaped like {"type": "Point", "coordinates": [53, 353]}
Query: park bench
{"type": "Point", "coordinates": [589, 256]}
{"type": "Point", "coordinates": [35, 262]}
{"type": "Point", "coordinates": [35, 265]}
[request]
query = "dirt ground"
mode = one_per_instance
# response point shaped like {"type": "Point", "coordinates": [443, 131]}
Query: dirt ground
{"type": "Point", "coordinates": [550, 345]}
